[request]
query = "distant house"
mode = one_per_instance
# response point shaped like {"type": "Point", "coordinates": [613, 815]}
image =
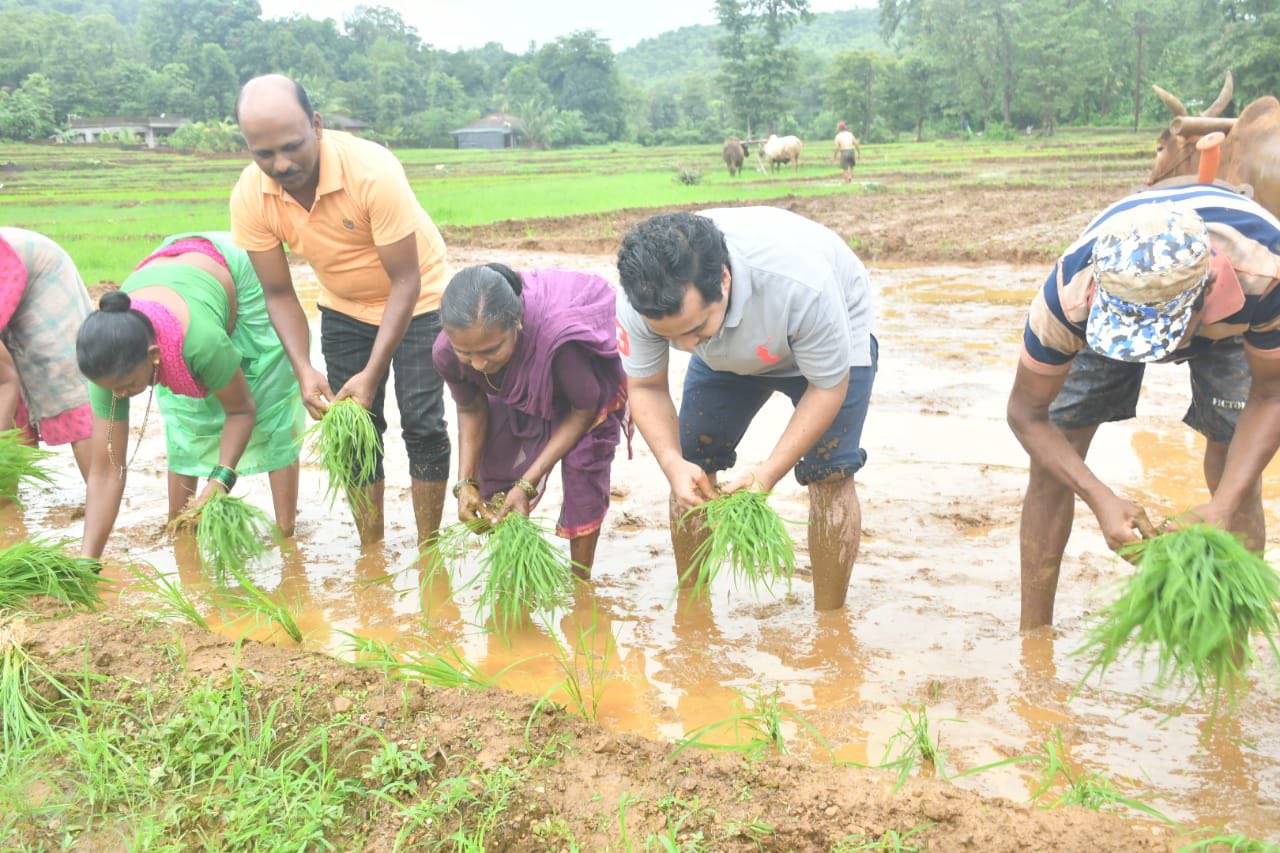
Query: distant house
{"type": "Point", "coordinates": [496, 130]}
{"type": "Point", "coordinates": [148, 130]}
{"type": "Point", "coordinates": [336, 121]}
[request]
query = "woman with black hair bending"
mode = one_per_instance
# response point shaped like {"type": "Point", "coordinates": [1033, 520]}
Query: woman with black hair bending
{"type": "Point", "coordinates": [191, 321]}
{"type": "Point", "coordinates": [532, 363]}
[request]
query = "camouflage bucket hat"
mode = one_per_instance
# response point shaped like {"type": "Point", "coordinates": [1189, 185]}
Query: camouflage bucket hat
{"type": "Point", "coordinates": [1150, 263]}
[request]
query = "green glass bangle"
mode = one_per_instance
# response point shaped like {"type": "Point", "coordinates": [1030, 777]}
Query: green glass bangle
{"type": "Point", "coordinates": [223, 475]}
{"type": "Point", "coordinates": [462, 484]}
{"type": "Point", "coordinates": [529, 489]}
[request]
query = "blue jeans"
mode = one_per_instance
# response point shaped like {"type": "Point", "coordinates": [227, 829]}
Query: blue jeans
{"type": "Point", "coordinates": [718, 407]}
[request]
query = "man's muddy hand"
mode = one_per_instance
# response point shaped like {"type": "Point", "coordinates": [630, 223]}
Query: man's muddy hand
{"type": "Point", "coordinates": [1123, 521]}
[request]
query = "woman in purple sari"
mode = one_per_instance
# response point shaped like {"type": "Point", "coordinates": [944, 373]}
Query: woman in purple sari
{"type": "Point", "coordinates": [532, 363]}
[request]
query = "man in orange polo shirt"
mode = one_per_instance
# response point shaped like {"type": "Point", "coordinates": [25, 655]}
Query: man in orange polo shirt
{"type": "Point", "coordinates": [345, 206]}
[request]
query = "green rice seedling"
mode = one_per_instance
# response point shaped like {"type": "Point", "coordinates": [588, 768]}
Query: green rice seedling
{"type": "Point", "coordinates": [170, 594]}
{"type": "Point", "coordinates": [912, 746]}
{"type": "Point", "coordinates": [1090, 789]}
{"type": "Point", "coordinates": [257, 602]}
{"type": "Point", "coordinates": [1197, 596]}
{"type": "Point", "coordinates": [744, 534]}
{"type": "Point", "coordinates": [22, 709]}
{"type": "Point", "coordinates": [20, 463]}
{"type": "Point", "coordinates": [444, 669]}
{"type": "Point", "coordinates": [347, 447]}
{"type": "Point", "coordinates": [521, 570]}
{"type": "Point", "coordinates": [1233, 843]}
{"type": "Point", "coordinates": [231, 532]}
{"type": "Point", "coordinates": [585, 671]}
{"type": "Point", "coordinates": [759, 726]}
{"type": "Point", "coordinates": [439, 669]}
{"type": "Point", "coordinates": [41, 567]}
{"type": "Point", "coordinates": [892, 840]}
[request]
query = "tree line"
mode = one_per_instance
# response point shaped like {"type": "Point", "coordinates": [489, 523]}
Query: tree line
{"type": "Point", "coordinates": [910, 67]}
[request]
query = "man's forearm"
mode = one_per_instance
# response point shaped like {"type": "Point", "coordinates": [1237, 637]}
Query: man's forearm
{"type": "Point", "coordinates": [290, 323]}
{"type": "Point", "coordinates": [812, 417]}
{"type": "Point", "coordinates": [1048, 447]}
{"type": "Point", "coordinates": [655, 416]}
{"type": "Point", "coordinates": [396, 318]}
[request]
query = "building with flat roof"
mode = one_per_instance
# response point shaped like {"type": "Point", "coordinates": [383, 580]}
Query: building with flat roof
{"type": "Point", "coordinates": [147, 130]}
{"type": "Point", "coordinates": [496, 130]}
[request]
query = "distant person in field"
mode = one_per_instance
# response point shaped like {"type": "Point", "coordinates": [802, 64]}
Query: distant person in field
{"type": "Point", "coordinates": [190, 325]}
{"type": "Point", "coordinates": [344, 205]}
{"type": "Point", "coordinates": [42, 303]}
{"type": "Point", "coordinates": [1187, 274]}
{"type": "Point", "coordinates": [531, 360]}
{"type": "Point", "coordinates": [766, 301]}
{"type": "Point", "coordinates": [847, 151]}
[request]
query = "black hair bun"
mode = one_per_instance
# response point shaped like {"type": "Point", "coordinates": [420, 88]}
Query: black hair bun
{"type": "Point", "coordinates": [115, 301]}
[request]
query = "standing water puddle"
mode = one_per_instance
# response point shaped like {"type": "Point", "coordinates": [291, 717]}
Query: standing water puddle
{"type": "Point", "coordinates": [933, 605]}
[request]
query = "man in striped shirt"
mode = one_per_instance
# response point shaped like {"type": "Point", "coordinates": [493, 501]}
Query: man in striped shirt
{"type": "Point", "coordinates": [1180, 274]}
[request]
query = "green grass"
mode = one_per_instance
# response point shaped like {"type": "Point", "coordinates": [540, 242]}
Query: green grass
{"type": "Point", "coordinates": [230, 532]}
{"type": "Point", "coordinates": [40, 567]}
{"type": "Point", "coordinates": [743, 535]}
{"type": "Point", "coordinates": [1196, 598]}
{"type": "Point", "coordinates": [347, 446]}
{"type": "Point", "coordinates": [20, 463]}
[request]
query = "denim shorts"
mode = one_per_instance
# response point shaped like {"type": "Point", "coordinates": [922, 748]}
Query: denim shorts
{"type": "Point", "coordinates": [719, 406]}
{"type": "Point", "coordinates": [347, 343]}
{"type": "Point", "coordinates": [1099, 390]}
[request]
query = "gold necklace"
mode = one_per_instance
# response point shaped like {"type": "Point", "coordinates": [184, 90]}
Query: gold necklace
{"type": "Point", "coordinates": [151, 391]}
{"type": "Point", "coordinates": [489, 382]}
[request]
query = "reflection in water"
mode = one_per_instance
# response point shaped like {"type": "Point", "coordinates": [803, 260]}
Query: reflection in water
{"type": "Point", "coordinates": [933, 602]}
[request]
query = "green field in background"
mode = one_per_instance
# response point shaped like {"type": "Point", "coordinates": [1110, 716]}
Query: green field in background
{"type": "Point", "coordinates": [109, 206]}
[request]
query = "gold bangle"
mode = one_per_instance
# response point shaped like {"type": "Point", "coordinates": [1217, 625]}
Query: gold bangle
{"type": "Point", "coordinates": [529, 489]}
{"type": "Point", "coordinates": [462, 484]}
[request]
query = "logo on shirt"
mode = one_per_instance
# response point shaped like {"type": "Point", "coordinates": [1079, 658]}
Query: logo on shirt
{"type": "Point", "coordinates": [624, 342]}
{"type": "Point", "coordinates": [762, 352]}
{"type": "Point", "coordinates": [348, 224]}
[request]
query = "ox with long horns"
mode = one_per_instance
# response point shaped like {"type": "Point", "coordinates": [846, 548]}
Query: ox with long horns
{"type": "Point", "coordinates": [1249, 155]}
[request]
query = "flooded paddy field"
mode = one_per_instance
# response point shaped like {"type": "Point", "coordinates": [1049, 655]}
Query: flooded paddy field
{"type": "Point", "coordinates": [932, 616]}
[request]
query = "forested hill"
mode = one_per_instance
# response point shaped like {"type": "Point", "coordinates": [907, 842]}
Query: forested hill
{"type": "Point", "coordinates": [677, 55]}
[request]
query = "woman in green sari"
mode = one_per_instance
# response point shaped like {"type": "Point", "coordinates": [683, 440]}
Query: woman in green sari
{"type": "Point", "coordinates": [191, 321]}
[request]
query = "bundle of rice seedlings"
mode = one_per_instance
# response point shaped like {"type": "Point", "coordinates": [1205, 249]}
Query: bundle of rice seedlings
{"type": "Point", "coordinates": [230, 532]}
{"type": "Point", "coordinates": [20, 462]}
{"type": "Point", "coordinates": [23, 710]}
{"type": "Point", "coordinates": [347, 447]}
{"type": "Point", "coordinates": [1197, 596]}
{"type": "Point", "coordinates": [745, 535]}
{"type": "Point", "coordinates": [521, 570]}
{"type": "Point", "coordinates": [40, 567]}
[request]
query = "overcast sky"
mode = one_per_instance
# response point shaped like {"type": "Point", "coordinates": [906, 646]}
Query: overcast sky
{"type": "Point", "coordinates": [453, 24]}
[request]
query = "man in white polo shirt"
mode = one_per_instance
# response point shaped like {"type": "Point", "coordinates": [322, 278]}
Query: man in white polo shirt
{"type": "Point", "coordinates": [766, 301]}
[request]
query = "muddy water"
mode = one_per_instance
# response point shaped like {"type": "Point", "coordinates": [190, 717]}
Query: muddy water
{"type": "Point", "coordinates": [933, 605]}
